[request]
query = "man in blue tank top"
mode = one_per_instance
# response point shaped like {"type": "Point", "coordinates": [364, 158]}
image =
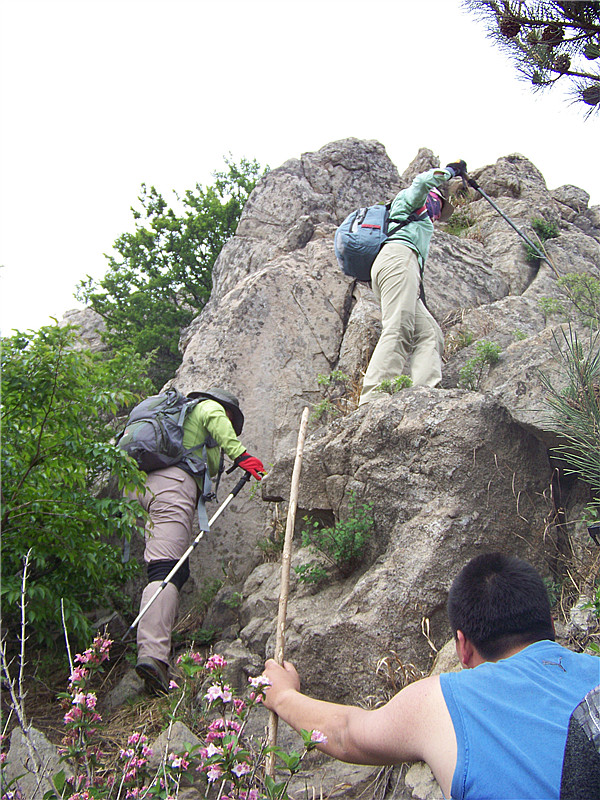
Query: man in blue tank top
{"type": "Point", "coordinates": [494, 731]}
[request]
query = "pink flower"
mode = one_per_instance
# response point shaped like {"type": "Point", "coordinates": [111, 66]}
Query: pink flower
{"type": "Point", "coordinates": [214, 773]}
{"type": "Point", "coordinates": [173, 685]}
{"type": "Point", "coordinates": [219, 728]}
{"type": "Point", "coordinates": [238, 705]}
{"type": "Point", "coordinates": [226, 694]}
{"type": "Point", "coordinates": [241, 769]}
{"type": "Point", "coordinates": [213, 750]}
{"type": "Point", "coordinates": [79, 674]}
{"type": "Point", "coordinates": [74, 715]}
{"type": "Point", "coordinates": [318, 737]}
{"type": "Point", "coordinates": [217, 692]}
{"type": "Point", "coordinates": [91, 701]}
{"type": "Point", "coordinates": [215, 662]}
{"type": "Point", "coordinates": [259, 681]}
{"type": "Point", "coordinates": [178, 762]}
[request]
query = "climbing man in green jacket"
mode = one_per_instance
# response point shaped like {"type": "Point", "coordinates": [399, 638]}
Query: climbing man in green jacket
{"type": "Point", "coordinates": [409, 332]}
{"type": "Point", "coordinates": [170, 499]}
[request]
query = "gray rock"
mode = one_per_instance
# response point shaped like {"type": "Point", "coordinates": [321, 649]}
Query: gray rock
{"type": "Point", "coordinates": [282, 312]}
{"type": "Point", "coordinates": [32, 761]}
{"type": "Point", "coordinates": [434, 507]}
{"type": "Point", "coordinates": [91, 327]}
{"type": "Point", "coordinates": [129, 687]}
{"type": "Point", "coordinates": [450, 473]}
{"type": "Point", "coordinates": [423, 785]}
{"type": "Point", "coordinates": [573, 197]}
{"type": "Point", "coordinates": [177, 738]}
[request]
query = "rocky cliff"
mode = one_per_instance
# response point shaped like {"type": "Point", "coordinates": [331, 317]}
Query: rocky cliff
{"type": "Point", "coordinates": [449, 472]}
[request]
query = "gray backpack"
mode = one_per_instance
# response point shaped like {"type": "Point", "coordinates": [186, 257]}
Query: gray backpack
{"type": "Point", "coordinates": [153, 435]}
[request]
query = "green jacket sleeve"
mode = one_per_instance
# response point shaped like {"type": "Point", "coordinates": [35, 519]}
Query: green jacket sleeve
{"type": "Point", "coordinates": [209, 418]}
{"type": "Point", "coordinates": [416, 235]}
{"type": "Point", "coordinates": [409, 200]}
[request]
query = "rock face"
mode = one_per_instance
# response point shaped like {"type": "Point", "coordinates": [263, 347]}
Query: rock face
{"type": "Point", "coordinates": [30, 763]}
{"type": "Point", "coordinates": [449, 475]}
{"type": "Point", "coordinates": [282, 313]}
{"type": "Point", "coordinates": [91, 327]}
{"type": "Point", "coordinates": [449, 472]}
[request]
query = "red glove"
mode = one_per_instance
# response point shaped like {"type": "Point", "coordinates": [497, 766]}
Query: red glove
{"type": "Point", "coordinates": [251, 464]}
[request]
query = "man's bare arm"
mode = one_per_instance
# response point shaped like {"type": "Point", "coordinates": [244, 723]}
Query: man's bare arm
{"type": "Point", "coordinates": [405, 729]}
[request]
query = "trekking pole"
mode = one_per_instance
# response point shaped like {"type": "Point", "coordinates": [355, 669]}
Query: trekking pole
{"type": "Point", "coordinates": [284, 589]}
{"type": "Point", "coordinates": [236, 489]}
{"type": "Point", "coordinates": [473, 183]}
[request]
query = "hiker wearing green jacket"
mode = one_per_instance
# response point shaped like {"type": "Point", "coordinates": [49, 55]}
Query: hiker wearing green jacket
{"type": "Point", "coordinates": [411, 341]}
{"type": "Point", "coordinates": [170, 499]}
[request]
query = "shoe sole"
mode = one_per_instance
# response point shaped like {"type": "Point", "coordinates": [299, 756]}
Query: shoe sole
{"type": "Point", "coordinates": [154, 685]}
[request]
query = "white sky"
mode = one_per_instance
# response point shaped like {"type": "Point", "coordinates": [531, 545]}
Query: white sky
{"type": "Point", "coordinates": [99, 96]}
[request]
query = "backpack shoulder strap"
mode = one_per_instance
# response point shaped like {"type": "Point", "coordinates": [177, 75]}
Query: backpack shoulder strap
{"type": "Point", "coordinates": [415, 216]}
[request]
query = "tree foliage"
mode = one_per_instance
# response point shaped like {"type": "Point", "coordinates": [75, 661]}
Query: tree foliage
{"type": "Point", "coordinates": [575, 410]}
{"type": "Point", "coordinates": [58, 419]}
{"type": "Point", "coordinates": [549, 42]}
{"type": "Point", "coordinates": [161, 276]}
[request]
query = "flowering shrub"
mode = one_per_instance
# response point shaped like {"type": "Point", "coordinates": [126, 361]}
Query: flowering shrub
{"type": "Point", "coordinates": [224, 766]}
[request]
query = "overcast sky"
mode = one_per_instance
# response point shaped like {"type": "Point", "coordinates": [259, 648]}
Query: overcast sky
{"type": "Point", "coordinates": [100, 97]}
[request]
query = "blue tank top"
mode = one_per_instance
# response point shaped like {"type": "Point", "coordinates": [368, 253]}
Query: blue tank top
{"type": "Point", "coordinates": [511, 720]}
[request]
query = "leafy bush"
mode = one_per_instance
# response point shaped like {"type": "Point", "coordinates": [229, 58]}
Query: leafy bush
{"type": "Point", "coordinates": [324, 408]}
{"type": "Point", "coordinates": [311, 573]}
{"type": "Point", "coordinates": [575, 411]}
{"type": "Point", "coordinates": [550, 306]}
{"type": "Point", "coordinates": [342, 545]}
{"type": "Point", "coordinates": [583, 292]}
{"type": "Point", "coordinates": [393, 385]}
{"type": "Point", "coordinates": [341, 395]}
{"type": "Point", "coordinates": [59, 409]}
{"type": "Point", "coordinates": [545, 230]}
{"type": "Point", "coordinates": [477, 367]}
{"type": "Point", "coordinates": [458, 340]}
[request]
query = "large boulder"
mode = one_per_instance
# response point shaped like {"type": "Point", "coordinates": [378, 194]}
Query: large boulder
{"type": "Point", "coordinates": [449, 475]}
{"type": "Point", "coordinates": [282, 313]}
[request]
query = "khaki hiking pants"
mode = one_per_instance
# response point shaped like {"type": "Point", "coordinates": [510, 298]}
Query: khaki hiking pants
{"type": "Point", "coordinates": [170, 499]}
{"type": "Point", "coordinates": [409, 332]}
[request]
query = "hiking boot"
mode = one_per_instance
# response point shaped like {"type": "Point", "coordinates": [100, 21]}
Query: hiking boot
{"type": "Point", "coordinates": [154, 673]}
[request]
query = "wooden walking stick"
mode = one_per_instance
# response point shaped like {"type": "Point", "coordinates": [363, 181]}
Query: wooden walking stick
{"type": "Point", "coordinates": [284, 589]}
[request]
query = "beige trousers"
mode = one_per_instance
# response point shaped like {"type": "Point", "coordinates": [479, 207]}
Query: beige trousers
{"type": "Point", "coordinates": [170, 499]}
{"type": "Point", "coordinates": [409, 332]}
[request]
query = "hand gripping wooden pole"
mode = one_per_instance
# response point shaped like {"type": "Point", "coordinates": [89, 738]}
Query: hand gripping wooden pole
{"type": "Point", "coordinates": [284, 588]}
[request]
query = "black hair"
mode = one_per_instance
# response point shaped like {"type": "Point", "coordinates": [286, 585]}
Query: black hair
{"type": "Point", "coordinates": [499, 602]}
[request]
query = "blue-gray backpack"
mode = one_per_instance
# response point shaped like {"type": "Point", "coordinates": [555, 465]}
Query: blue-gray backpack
{"type": "Point", "coordinates": [361, 236]}
{"type": "Point", "coordinates": [153, 435]}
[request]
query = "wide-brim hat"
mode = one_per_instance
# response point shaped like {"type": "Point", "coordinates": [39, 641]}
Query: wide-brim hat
{"type": "Point", "coordinates": [228, 401]}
